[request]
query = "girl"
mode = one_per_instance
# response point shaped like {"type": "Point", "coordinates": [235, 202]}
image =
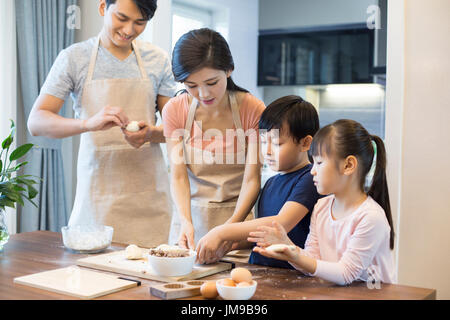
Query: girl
{"type": "Point", "coordinates": [351, 232]}
{"type": "Point", "coordinates": [214, 178]}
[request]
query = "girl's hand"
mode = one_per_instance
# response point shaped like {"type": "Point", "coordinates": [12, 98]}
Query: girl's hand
{"type": "Point", "coordinates": [285, 254]}
{"type": "Point", "coordinates": [266, 236]}
{"type": "Point", "coordinates": [186, 239]}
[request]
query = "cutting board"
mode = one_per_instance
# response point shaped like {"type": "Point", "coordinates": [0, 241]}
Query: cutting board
{"type": "Point", "coordinates": [76, 282]}
{"type": "Point", "coordinates": [118, 263]}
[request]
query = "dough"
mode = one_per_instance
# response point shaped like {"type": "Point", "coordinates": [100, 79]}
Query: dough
{"type": "Point", "coordinates": [133, 126]}
{"type": "Point", "coordinates": [278, 248]}
{"type": "Point", "coordinates": [133, 252]}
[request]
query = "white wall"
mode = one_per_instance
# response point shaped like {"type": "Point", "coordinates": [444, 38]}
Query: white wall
{"type": "Point", "coordinates": [8, 82]}
{"type": "Point", "coordinates": [282, 14]}
{"type": "Point", "coordinates": [417, 140]}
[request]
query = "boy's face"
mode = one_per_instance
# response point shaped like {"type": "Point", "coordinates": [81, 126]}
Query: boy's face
{"type": "Point", "coordinates": [281, 152]}
{"type": "Point", "coordinates": [123, 22]}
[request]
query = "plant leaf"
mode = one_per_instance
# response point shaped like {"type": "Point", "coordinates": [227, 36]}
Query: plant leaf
{"type": "Point", "coordinates": [20, 151]}
{"type": "Point", "coordinates": [7, 142]}
{"type": "Point", "coordinates": [20, 165]}
{"type": "Point", "coordinates": [32, 192]}
{"type": "Point", "coordinates": [1, 165]}
{"type": "Point", "coordinates": [5, 202]}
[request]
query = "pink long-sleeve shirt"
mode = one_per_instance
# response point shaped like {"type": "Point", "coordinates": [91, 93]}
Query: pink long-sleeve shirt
{"type": "Point", "coordinates": [355, 247]}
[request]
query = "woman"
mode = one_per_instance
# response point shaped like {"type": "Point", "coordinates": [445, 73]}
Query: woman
{"type": "Point", "coordinates": [211, 132]}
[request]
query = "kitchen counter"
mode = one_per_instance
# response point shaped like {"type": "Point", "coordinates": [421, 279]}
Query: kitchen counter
{"type": "Point", "coordinates": [34, 252]}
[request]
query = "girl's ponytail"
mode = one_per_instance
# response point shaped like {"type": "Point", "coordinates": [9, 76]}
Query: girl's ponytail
{"type": "Point", "coordinates": [379, 188]}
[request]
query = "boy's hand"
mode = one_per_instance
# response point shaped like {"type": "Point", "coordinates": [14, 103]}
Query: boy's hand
{"type": "Point", "coordinates": [266, 236]}
{"type": "Point", "coordinates": [211, 248]}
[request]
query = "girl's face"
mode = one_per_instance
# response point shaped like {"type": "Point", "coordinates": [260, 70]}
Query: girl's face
{"type": "Point", "coordinates": [281, 152]}
{"type": "Point", "coordinates": [327, 175]}
{"type": "Point", "coordinates": [123, 22]}
{"type": "Point", "coordinates": [208, 86]}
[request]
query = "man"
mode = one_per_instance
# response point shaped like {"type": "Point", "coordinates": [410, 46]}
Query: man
{"type": "Point", "coordinates": [122, 180]}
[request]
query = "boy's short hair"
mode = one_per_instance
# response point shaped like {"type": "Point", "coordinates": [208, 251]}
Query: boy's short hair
{"type": "Point", "coordinates": [147, 7]}
{"type": "Point", "coordinates": [299, 115]}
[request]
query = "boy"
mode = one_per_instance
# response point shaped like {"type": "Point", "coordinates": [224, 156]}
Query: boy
{"type": "Point", "coordinates": [289, 197]}
{"type": "Point", "coordinates": [113, 79]}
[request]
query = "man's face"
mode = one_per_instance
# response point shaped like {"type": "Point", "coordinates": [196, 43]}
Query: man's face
{"type": "Point", "coordinates": [123, 22]}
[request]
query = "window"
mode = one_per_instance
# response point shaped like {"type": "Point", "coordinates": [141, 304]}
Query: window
{"type": "Point", "coordinates": [187, 18]}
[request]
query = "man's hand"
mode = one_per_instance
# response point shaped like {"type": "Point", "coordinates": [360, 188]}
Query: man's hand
{"type": "Point", "coordinates": [105, 119]}
{"type": "Point", "coordinates": [145, 134]}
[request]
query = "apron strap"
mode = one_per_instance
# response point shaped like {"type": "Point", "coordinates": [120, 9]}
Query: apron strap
{"type": "Point", "coordinates": [137, 52]}
{"type": "Point", "coordinates": [93, 59]}
{"type": "Point", "coordinates": [94, 54]}
{"type": "Point", "coordinates": [237, 120]}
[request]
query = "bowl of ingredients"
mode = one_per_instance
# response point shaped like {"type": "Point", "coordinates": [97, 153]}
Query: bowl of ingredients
{"type": "Point", "coordinates": [87, 238]}
{"type": "Point", "coordinates": [240, 286]}
{"type": "Point", "coordinates": [171, 261]}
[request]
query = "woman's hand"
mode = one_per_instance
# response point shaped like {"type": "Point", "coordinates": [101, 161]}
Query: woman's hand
{"type": "Point", "coordinates": [266, 236]}
{"type": "Point", "coordinates": [186, 238]}
{"type": "Point", "coordinates": [105, 119]}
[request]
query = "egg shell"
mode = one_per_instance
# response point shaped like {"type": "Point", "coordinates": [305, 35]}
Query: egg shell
{"type": "Point", "coordinates": [229, 282]}
{"type": "Point", "coordinates": [209, 290]}
{"type": "Point", "coordinates": [241, 275]}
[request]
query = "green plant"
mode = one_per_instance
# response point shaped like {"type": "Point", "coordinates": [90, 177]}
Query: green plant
{"type": "Point", "coordinates": [14, 188]}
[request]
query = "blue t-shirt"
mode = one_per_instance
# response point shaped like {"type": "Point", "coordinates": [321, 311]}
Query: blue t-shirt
{"type": "Point", "coordinates": [295, 186]}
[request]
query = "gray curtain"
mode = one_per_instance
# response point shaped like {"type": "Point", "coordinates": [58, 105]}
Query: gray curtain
{"type": "Point", "coordinates": [41, 34]}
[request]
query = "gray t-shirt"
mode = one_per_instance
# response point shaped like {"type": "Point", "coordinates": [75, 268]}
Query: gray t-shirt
{"type": "Point", "coordinates": [69, 71]}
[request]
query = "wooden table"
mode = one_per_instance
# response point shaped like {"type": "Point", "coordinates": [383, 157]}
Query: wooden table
{"type": "Point", "coordinates": [34, 252]}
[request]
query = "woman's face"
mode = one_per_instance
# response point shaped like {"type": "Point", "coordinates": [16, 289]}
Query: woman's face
{"type": "Point", "coordinates": [208, 86]}
{"type": "Point", "coordinates": [123, 22]}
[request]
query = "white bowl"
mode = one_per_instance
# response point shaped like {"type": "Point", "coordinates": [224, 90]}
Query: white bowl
{"type": "Point", "coordinates": [87, 238]}
{"type": "Point", "coordinates": [236, 293]}
{"type": "Point", "coordinates": [172, 267]}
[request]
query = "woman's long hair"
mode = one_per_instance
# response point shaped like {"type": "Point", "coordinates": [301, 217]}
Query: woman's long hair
{"type": "Point", "coordinates": [347, 137]}
{"type": "Point", "coordinates": [202, 48]}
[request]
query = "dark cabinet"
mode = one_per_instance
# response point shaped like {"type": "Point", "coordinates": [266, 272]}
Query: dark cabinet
{"type": "Point", "coordinates": [316, 57]}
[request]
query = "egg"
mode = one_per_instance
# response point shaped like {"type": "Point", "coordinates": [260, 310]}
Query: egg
{"type": "Point", "coordinates": [133, 126]}
{"type": "Point", "coordinates": [209, 290]}
{"type": "Point", "coordinates": [243, 284]}
{"type": "Point", "coordinates": [228, 282]}
{"type": "Point", "coordinates": [241, 275]}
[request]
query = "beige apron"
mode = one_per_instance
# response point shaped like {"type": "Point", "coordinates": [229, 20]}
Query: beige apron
{"type": "Point", "coordinates": [118, 185]}
{"type": "Point", "coordinates": [215, 185]}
